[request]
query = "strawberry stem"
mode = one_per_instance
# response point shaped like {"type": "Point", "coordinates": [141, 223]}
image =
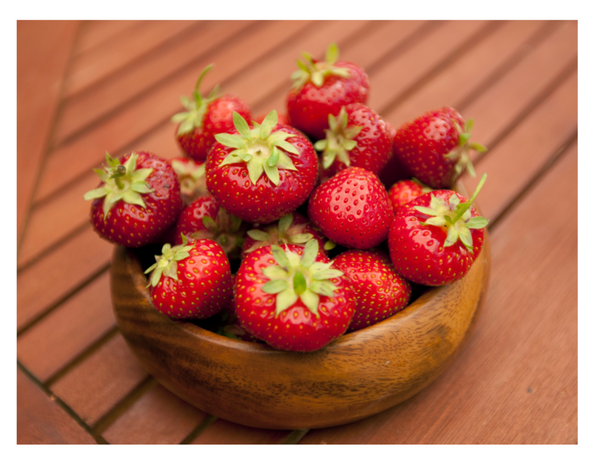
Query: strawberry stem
{"type": "Point", "coordinates": [463, 207]}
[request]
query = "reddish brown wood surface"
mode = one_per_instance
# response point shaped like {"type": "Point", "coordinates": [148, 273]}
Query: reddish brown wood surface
{"type": "Point", "coordinates": [98, 86]}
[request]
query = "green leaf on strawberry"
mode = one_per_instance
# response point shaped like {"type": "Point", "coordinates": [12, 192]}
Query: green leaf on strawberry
{"type": "Point", "coordinates": [166, 264]}
{"type": "Point", "coordinates": [339, 139]}
{"type": "Point", "coordinates": [460, 153]}
{"type": "Point", "coordinates": [316, 72]}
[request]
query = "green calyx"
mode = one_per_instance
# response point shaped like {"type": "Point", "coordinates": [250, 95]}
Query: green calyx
{"type": "Point", "coordinates": [281, 233]}
{"type": "Point", "coordinates": [121, 182]}
{"type": "Point", "coordinates": [195, 106]}
{"type": "Point", "coordinates": [296, 276]}
{"type": "Point", "coordinates": [316, 72]}
{"type": "Point", "coordinates": [226, 230]}
{"type": "Point", "coordinates": [166, 264]}
{"type": "Point", "coordinates": [455, 217]}
{"type": "Point", "coordinates": [339, 140]}
{"type": "Point", "coordinates": [261, 149]}
{"type": "Point", "coordinates": [460, 153]}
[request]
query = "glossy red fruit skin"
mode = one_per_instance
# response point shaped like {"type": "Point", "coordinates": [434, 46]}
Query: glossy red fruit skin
{"type": "Point", "coordinates": [381, 292]}
{"type": "Point", "coordinates": [373, 143]}
{"type": "Point", "coordinates": [421, 146]}
{"type": "Point", "coordinates": [204, 286]}
{"type": "Point", "coordinates": [133, 226]}
{"type": "Point", "coordinates": [309, 107]}
{"type": "Point", "coordinates": [300, 223]}
{"type": "Point", "coordinates": [262, 202]}
{"type": "Point", "coordinates": [418, 251]}
{"type": "Point", "coordinates": [403, 192]}
{"type": "Point", "coordinates": [190, 219]}
{"type": "Point", "coordinates": [352, 209]}
{"type": "Point", "coordinates": [218, 119]}
{"type": "Point", "coordinates": [295, 329]}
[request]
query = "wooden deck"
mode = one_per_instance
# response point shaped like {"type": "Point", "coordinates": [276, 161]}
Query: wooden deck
{"type": "Point", "coordinates": [93, 87]}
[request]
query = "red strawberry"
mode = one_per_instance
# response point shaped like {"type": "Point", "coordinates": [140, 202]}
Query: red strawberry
{"type": "Point", "coordinates": [293, 298]}
{"type": "Point", "coordinates": [204, 118]}
{"type": "Point", "coordinates": [293, 228]}
{"type": "Point", "coordinates": [191, 176]}
{"type": "Point", "coordinates": [435, 147]}
{"type": "Point", "coordinates": [380, 291]}
{"type": "Point", "coordinates": [205, 219]}
{"type": "Point", "coordinates": [352, 209]}
{"type": "Point", "coordinates": [321, 88]}
{"type": "Point", "coordinates": [137, 200]}
{"type": "Point", "coordinates": [357, 137]}
{"type": "Point", "coordinates": [406, 190]}
{"type": "Point", "coordinates": [261, 173]}
{"type": "Point", "coordinates": [435, 238]}
{"type": "Point", "coordinates": [191, 281]}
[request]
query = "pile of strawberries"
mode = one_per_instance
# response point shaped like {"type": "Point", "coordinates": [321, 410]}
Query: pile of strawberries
{"type": "Point", "coordinates": [282, 227]}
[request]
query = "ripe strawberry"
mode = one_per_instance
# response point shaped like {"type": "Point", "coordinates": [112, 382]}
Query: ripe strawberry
{"type": "Point", "coordinates": [293, 298]}
{"type": "Point", "coordinates": [435, 147]}
{"type": "Point", "coordinates": [191, 176]}
{"type": "Point", "coordinates": [357, 137]}
{"type": "Point", "coordinates": [204, 118]}
{"type": "Point", "coordinates": [191, 281]}
{"type": "Point", "coordinates": [380, 291]}
{"type": "Point", "coordinates": [435, 238]}
{"type": "Point", "coordinates": [321, 88]}
{"type": "Point", "coordinates": [205, 219]}
{"type": "Point", "coordinates": [137, 200]}
{"type": "Point", "coordinates": [293, 228]}
{"type": "Point", "coordinates": [352, 208]}
{"type": "Point", "coordinates": [261, 173]}
{"type": "Point", "coordinates": [406, 190]}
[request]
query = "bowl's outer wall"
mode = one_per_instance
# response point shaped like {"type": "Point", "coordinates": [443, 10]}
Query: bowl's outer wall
{"type": "Point", "coordinates": [355, 376]}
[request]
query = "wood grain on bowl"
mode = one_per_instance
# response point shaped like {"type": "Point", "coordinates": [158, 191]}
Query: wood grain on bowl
{"type": "Point", "coordinates": [356, 376]}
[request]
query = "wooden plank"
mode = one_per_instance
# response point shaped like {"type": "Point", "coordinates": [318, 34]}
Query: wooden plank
{"type": "Point", "coordinates": [91, 67]}
{"type": "Point", "coordinates": [225, 432]}
{"type": "Point", "coordinates": [158, 417]}
{"type": "Point", "coordinates": [42, 421]}
{"type": "Point", "coordinates": [41, 65]}
{"type": "Point", "coordinates": [50, 278]}
{"type": "Point", "coordinates": [455, 82]}
{"type": "Point", "coordinates": [96, 32]}
{"type": "Point", "coordinates": [69, 330]}
{"type": "Point", "coordinates": [157, 107]}
{"type": "Point", "coordinates": [516, 380]}
{"type": "Point", "coordinates": [93, 104]}
{"type": "Point", "coordinates": [96, 385]}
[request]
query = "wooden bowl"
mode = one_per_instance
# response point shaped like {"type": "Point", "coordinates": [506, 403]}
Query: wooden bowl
{"type": "Point", "coordinates": [356, 376]}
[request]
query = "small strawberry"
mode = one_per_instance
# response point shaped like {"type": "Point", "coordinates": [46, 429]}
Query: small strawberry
{"type": "Point", "coordinates": [191, 281]}
{"type": "Point", "coordinates": [357, 137]}
{"type": "Point", "coordinates": [352, 209]}
{"type": "Point", "coordinates": [293, 298]}
{"type": "Point", "coordinates": [406, 190]}
{"type": "Point", "coordinates": [191, 176]}
{"type": "Point", "coordinates": [263, 172]}
{"type": "Point", "coordinates": [137, 200]}
{"type": "Point", "coordinates": [321, 88]}
{"type": "Point", "coordinates": [435, 147]}
{"type": "Point", "coordinates": [204, 118]}
{"type": "Point", "coordinates": [380, 291]}
{"type": "Point", "coordinates": [293, 228]}
{"type": "Point", "coordinates": [435, 238]}
{"type": "Point", "coordinates": [205, 219]}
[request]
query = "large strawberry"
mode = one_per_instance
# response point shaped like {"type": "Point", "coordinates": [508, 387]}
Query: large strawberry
{"type": "Point", "coordinates": [293, 298]}
{"type": "Point", "coordinates": [260, 173]}
{"type": "Point", "coordinates": [435, 238]}
{"type": "Point", "coordinates": [357, 137]}
{"type": "Point", "coordinates": [206, 219]}
{"type": "Point", "coordinates": [380, 291]}
{"type": "Point", "coordinates": [435, 147]}
{"type": "Point", "coordinates": [205, 117]}
{"type": "Point", "coordinates": [191, 281]}
{"type": "Point", "coordinates": [404, 191]}
{"type": "Point", "coordinates": [191, 176]}
{"type": "Point", "coordinates": [137, 200]}
{"type": "Point", "coordinates": [293, 228]}
{"type": "Point", "coordinates": [352, 209]}
{"type": "Point", "coordinates": [321, 88]}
